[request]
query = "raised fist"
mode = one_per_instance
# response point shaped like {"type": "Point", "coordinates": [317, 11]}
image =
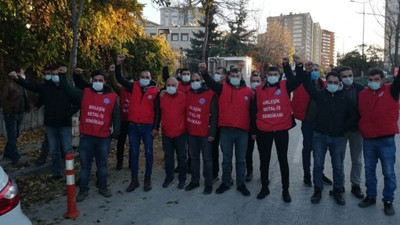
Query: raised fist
{"type": "Point", "coordinates": [13, 75]}
{"type": "Point", "coordinates": [285, 60]}
{"type": "Point", "coordinates": [166, 62]}
{"type": "Point", "coordinates": [62, 69]}
{"type": "Point", "coordinates": [296, 59]}
{"type": "Point", "coordinates": [120, 59]}
{"type": "Point", "coordinates": [202, 66]}
{"type": "Point", "coordinates": [112, 67]}
{"type": "Point", "coordinates": [78, 71]}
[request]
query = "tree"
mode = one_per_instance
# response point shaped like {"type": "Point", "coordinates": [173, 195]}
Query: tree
{"type": "Point", "coordinates": [273, 45]}
{"type": "Point", "coordinates": [238, 41]}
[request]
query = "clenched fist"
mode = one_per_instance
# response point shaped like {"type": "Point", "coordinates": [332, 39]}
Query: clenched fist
{"type": "Point", "coordinates": [120, 59]}
{"type": "Point", "coordinates": [13, 75]}
{"type": "Point", "coordinates": [62, 69]}
{"type": "Point", "coordinates": [112, 67]}
{"type": "Point", "coordinates": [78, 71]}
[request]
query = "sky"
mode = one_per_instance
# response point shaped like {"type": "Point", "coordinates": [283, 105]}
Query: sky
{"type": "Point", "coordinates": [342, 17]}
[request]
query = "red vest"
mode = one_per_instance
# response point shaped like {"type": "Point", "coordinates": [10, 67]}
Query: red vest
{"type": "Point", "coordinates": [183, 88]}
{"type": "Point", "coordinates": [300, 102]}
{"type": "Point", "coordinates": [173, 114]}
{"type": "Point", "coordinates": [198, 113]}
{"type": "Point", "coordinates": [379, 112]}
{"type": "Point", "coordinates": [124, 104]}
{"type": "Point", "coordinates": [96, 113]}
{"type": "Point", "coordinates": [234, 107]}
{"type": "Point", "coordinates": [141, 105]}
{"type": "Point", "coordinates": [274, 111]}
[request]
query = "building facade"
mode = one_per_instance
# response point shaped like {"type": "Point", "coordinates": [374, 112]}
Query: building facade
{"type": "Point", "coordinates": [328, 50]}
{"type": "Point", "coordinates": [179, 16]}
{"type": "Point", "coordinates": [317, 44]}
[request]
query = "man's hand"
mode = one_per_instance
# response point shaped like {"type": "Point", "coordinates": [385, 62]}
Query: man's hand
{"type": "Point", "coordinates": [166, 62]}
{"type": "Point", "coordinates": [202, 66]}
{"type": "Point", "coordinates": [13, 75]}
{"type": "Point", "coordinates": [78, 71]}
{"type": "Point", "coordinates": [162, 93]}
{"type": "Point", "coordinates": [120, 59]}
{"type": "Point", "coordinates": [210, 139]}
{"type": "Point", "coordinates": [112, 67]}
{"type": "Point", "coordinates": [154, 132]}
{"type": "Point", "coordinates": [62, 69]}
{"type": "Point", "coordinates": [253, 137]}
{"type": "Point", "coordinates": [285, 60]}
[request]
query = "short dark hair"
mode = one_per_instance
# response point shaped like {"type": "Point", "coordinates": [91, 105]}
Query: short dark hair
{"type": "Point", "coordinates": [272, 68]}
{"type": "Point", "coordinates": [224, 71]}
{"type": "Point", "coordinates": [343, 68]}
{"type": "Point", "coordinates": [99, 72]}
{"type": "Point", "coordinates": [234, 70]}
{"type": "Point", "coordinates": [376, 71]}
{"type": "Point", "coordinates": [333, 73]}
{"type": "Point", "coordinates": [184, 69]}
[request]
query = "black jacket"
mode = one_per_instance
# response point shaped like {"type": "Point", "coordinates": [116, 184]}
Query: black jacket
{"type": "Point", "coordinates": [58, 106]}
{"type": "Point", "coordinates": [336, 114]}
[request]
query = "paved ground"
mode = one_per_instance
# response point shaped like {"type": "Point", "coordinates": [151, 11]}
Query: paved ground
{"type": "Point", "coordinates": [172, 206]}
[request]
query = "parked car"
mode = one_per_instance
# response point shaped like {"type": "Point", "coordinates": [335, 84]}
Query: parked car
{"type": "Point", "coordinates": [10, 206]}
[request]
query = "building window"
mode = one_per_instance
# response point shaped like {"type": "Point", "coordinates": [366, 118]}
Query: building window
{"type": "Point", "coordinates": [174, 37]}
{"type": "Point", "coordinates": [152, 34]}
{"type": "Point", "coordinates": [185, 37]}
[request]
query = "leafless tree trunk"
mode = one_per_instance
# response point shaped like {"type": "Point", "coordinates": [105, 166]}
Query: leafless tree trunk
{"type": "Point", "coordinates": [76, 16]}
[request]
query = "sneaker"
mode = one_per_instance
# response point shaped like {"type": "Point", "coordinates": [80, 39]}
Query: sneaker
{"type": "Point", "coordinates": [181, 184]}
{"type": "Point", "coordinates": [133, 185]}
{"type": "Point", "coordinates": [307, 180]}
{"type": "Point", "coordinates": [337, 195]}
{"type": "Point", "coordinates": [82, 195]}
{"type": "Point", "coordinates": [286, 196]}
{"type": "Point", "coordinates": [388, 208]}
{"type": "Point", "coordinates": [222, 188]}
{"type": "Point", "coordinates": [105, 192]}
{"type": "Point", "coordinates": [356, 191]}
{"type": "Point", "coordinates": [191, 186]}
{"type": "Point", "coordinates": [326, 180]}
{"type": "Point", "coordinates": [215, 179]}
{"type": "Point", "coordinates": [316, 196]}
{"type": "Point", "coordinates": [249, 176]}
{"type": "Point", "coordinates": [207, 189]}
{"type": "Point", "coordinates": [243, 189]}
{"type": "Point", "coordinates": [263, 193]}
{"type": "Point", "coordinates": [367, 202]}
{"type": "Point", "coordinates": [167, 182]}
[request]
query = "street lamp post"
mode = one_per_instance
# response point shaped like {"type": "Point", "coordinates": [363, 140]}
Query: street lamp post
{"type": "Point", "coordinates": [363, 31]}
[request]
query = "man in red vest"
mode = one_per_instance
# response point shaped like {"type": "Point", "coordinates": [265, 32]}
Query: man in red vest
{"type": "Point", "coordinates": [234, 121]}
{"type": "Point", "coordinates": [272, 115]}
{"type": "Point", "coordinates": [379, 110]}
{"type": "Point", "coordinates": [202, 119]}
{"type": "Point", "coordinates": [142, 114]}
{"type": "Point", "coordinates": [174, 137]}
{"type": "Point", "coordinates": [99, 111]}
{"type": "Point", "coordinates": [255, 81]}
{"type": "Point", "coordinates": [219, 77]}
{"type": "Point", "coordinates": [183, 77]}
{"type": "Point", "coordinates": [304, 109]}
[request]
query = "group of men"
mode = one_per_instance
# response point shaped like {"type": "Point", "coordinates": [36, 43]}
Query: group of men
{"type": "Point", "coordinates": [199, 113]}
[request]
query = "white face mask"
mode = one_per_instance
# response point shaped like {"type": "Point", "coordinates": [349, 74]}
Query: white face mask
{"type": "Point", "coordinates": [171, 90]}
{"type": "Point", "coordinates": [217, 77]}
{"type": "Point", "coordinates": [97, 86]}
{"type": "Point", "coordinates": [273, 79]}
{"type": "Point", "coordinates": [185, 78]}
{"type": "Point", "coordinates": [347, 81]}
{"type": "Point", "coordinates": [254, 85]}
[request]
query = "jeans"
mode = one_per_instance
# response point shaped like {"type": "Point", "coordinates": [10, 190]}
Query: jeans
{"type": "Point", "coordinates": [89, 147]}
{"type": "Point", "coordinates": [281, 139]}
{"type": "Point", "coordinates": [229, 138]}
{"type": "Point", "coordinates": [121, 141]}
{"type": "Point", "coordinates": [215, 154]}
{"type": "Point", "coordinates": [337, 147]}
{"type": "Point", "coordinates": [180, 145]}
{"type": "Point", "coordinates": [355, 141]}
{"type": "Point", "coordinates": [55, 136]}
{"type": "Point", "coordinates": [307, 129]}
{"type": "Point", "coordinates": [196, 145]}
{"type": "Point", "coordinates": [138, 132]}
{"type": "Point", "coordinates": [383, 149]}
{"type": "Point", "coordinates": [12, 122]}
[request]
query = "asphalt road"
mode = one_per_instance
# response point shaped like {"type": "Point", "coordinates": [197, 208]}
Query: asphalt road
{"type": "Point", "coordinates": [170, 206]}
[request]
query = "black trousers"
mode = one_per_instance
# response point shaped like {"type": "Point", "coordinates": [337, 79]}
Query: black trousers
{"type": "Point", "coordinates": [121, 141]}
{"type": "Point", "coordinates": [281, 139]}
{"type": "Point", "coordinates": [249, 153]}
{"type": "Point", "coordinates": [215, 154]}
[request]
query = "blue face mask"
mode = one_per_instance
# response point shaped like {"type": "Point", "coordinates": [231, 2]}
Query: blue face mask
{"type": "Point", "coordinates": [144, 82]}
{"type": "Point", "coordinates": [217, 77]}
{"type": "Point", "coordinates": [332, 88]}
{"type": "Point", "coordinates": [185, 78]}
{"type": "Point", "coordinates": [171, 90]}
{"type": "Point", "coordinates": [196, 85]}
{"type": "Point", "coordinates": [314, 75]}
{"type": "Point", "coordinates": [47, 77]}
{"type": "Point", "coordinates": [235, 81]}
{"type": "Point", "coordinates": [374, 85]}
{"type": "Point", "coordinates": [254, 85]}
{"type": "Point", "coordinates": [273, 79]}
{"type": "Point", "coordinates": [55, 79]}
{"type": "Point", "coordinates": [97, 86]}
